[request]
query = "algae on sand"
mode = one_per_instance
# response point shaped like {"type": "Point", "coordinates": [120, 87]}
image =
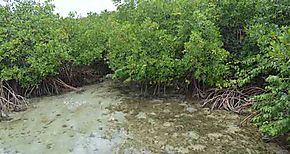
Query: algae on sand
{"type": "Point", "coordinates": [102, 119]}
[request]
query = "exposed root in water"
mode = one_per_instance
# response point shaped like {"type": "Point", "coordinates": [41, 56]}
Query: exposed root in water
{"type": "Point", "coordinates": [152, 89]}
{"type": "Point", "coordinates": [156, 90]}
{"type": "Point", "coordinates": [198, 89]}
{"type": "Point", "coordinates": [13, 95]}
{"type": "Point", "coordinates": [50, 86]}
{"type": "Point", "coordinates": [61, 83]}
{"type": "Point", "coordinates": [77, 76]}
{"type": "Point", "coordinates": [10, 101]}
{"type": "Point", "coordinates": [70, 77]}
{"type": "Point", "coordinates": [230, 99]}
{"type": "Point", "coordinates": [248, 118]}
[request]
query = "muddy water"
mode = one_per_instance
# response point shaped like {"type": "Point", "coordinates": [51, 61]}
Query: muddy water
{"type": "Point", "coordinates": [104, 120]}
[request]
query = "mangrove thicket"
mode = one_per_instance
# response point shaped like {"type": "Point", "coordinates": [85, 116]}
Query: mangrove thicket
{"type": "Point", "coordinates": [234, 54]}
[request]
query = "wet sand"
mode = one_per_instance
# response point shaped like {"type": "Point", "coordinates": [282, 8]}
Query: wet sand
{"type": "Point", "coordinates": [104, 120]}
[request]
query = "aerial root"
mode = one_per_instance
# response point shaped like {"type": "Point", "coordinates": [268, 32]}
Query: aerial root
{"type": "Point", "coordinates": [62, 83]}
{"type": "Point", "coordinates": [10, 101]}
{"type": "Point", "coordinates": [230, 99]}
{"type": "Point", "coordinates": [198, 89]}
{"type": "Point", "coordinates": [248, 118]}
{"type": "Point", "coordinates": [158, 89]}
{"type": "Point", "coordinates": [50, 86]}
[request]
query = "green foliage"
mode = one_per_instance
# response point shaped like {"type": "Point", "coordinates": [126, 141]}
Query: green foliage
{"type": "Point", "coordinates": [33, 45]}
{"type": "Point", "coordinates": [235, 15]}
{"type": "Point", "coordinates": [143, 53]}
{"type": "Point", "coordinates": [205, 53]}
{"type": "Point", "coordinates": [87, 37]}
{"type": "Point", "coordinates": [274, 107]}
{"type": "Point", "coordinates": [263, 60]}
{"type": "Point", "coordinates": [262, 22]}
{"type": "Point", "coordinates": [164, 40]}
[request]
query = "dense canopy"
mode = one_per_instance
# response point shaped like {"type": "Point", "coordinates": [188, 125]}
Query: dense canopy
{"type": "Point", "coordinates": [225, 44]}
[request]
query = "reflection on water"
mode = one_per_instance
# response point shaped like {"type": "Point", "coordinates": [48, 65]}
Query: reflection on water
{"type": "Point", "coordinates": [103, 120]}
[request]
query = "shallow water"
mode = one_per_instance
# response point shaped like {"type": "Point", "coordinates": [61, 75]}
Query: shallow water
{"type": "Point", "coordinates": [104, 120]}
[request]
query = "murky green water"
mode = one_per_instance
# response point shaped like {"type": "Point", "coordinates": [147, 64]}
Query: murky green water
{"type": "Point", "coordinates": [104, 120]}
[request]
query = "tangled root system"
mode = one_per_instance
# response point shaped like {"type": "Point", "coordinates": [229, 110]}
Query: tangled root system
{"type": "Point", "coordinates": [230, 99]}
{"type": "Point", "coordinates": [10, 101]}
